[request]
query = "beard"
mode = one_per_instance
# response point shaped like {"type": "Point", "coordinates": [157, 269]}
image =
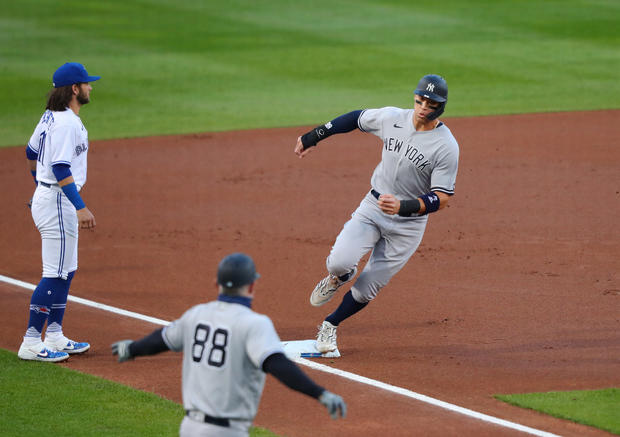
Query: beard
{"type": "Point", "coordinates": [82, 98]}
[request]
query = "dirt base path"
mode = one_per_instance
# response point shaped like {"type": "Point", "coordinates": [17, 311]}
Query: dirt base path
{"type": "Point", "coordinates": [515, 287]}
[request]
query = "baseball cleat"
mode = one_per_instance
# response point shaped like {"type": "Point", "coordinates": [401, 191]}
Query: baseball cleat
{"type": "Point", "coordinates": [326, 338]}
{"type": "Point", "coordinates": [63, 344]}
{"type": "Point", "coordinates": [327, 287]}
{"type": "Point", "coordinates": [39, 352]}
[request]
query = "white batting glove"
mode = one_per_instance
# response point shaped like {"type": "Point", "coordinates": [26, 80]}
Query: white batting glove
{"type": "Point", "coordinates": [334, 404]}
{"type": "Point", "coordinates": [121, 348]}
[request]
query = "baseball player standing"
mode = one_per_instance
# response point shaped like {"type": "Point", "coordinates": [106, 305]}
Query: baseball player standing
{"type": "Point", "coordinates": [416, 177]}
{"type": "Point", "coordinates": [57, 154]}
{"type": "Point", "coordinates": [227, 349]}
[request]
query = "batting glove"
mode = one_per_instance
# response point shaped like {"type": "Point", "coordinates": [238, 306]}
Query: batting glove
{"type": "Point", "coordinates": [334, 404]}
{"type": "Point", "coordinates": [121, 348]}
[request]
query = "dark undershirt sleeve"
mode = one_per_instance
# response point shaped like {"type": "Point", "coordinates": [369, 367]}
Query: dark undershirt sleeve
{"type": "Point", "coordinates": [287, 372]}
{"type": "Point", "coordinates": [346, 122]}
{"type": "Point", "coordinates": [339, 125]}
{"type": "Point", "coordinates": [150, 345]}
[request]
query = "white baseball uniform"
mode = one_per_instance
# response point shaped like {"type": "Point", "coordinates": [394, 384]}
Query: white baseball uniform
{"type": "Point", "coordinates": [224, 345]}
{"type": "Point", "coordinates": [59, 138]}
{"type": "Point", "coordinates": [412, 164]}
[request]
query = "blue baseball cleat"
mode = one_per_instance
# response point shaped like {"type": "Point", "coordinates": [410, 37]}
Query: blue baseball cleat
{"type": "Point", "coordinates": [63, 344]}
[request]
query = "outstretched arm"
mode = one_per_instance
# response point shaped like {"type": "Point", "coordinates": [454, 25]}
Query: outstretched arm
{"type": "Point", "coordinates": [290, 375]}
{"type": "Point", "coordinates": [339, 125]}
{"type": "Point", "coordinates": [150, 345]}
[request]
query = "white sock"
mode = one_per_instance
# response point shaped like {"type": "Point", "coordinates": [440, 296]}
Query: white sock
{"type": "Point", "coordinates": [32, 336]}
{"type": "Point", "coordinates": [54, 332]}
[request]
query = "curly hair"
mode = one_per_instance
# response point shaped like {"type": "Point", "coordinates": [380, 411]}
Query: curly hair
{"type": "Point", "coordinates": [58, 98]}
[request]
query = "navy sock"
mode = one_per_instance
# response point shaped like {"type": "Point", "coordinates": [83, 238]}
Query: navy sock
{"type": "Point", "coordinates": [57, 312]}
{"type": "Point", "coordinates": [346, 309]}
{"type": "Point", "coordinates": [41, 304]}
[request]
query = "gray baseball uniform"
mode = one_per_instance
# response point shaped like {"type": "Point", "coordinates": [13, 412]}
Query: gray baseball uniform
{"type": "Point", "coordinates": [224, 345]}
{"type": "Point", "coordinates": [227, 349]}
{"type": "Point", "coordinates": [413, 163]}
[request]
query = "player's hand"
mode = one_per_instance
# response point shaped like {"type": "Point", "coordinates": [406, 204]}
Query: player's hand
{"type": "Point", "coordinates": [86, 219]}
{"type": "Point", "coordinates": [389, 204]}
{"type": "Point", "coordinates": [335, 404]}
{"type": "Point", "coordinates": [299, 148]}
{"type": "Point", "coordinates": [121, 348]}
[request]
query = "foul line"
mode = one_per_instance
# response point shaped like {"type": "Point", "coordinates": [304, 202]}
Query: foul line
{"type": "Point", "coordinates": [320, 367]}
{"type": "Point", "coordinates": [90, 303]}
{"type": "Point", "coordinates": [423, 398]}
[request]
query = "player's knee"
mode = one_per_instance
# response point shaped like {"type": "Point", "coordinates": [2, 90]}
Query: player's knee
{"type": "Point", "coordinates": [337, 265]}
{"type": "Point", "coordinates": [361, 296]}
{"type": "Point", "coordinates": [366, 288]}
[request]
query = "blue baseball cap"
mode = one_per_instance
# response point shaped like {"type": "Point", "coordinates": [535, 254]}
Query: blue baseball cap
{"type": "Point", "coordinates": [70, 73]}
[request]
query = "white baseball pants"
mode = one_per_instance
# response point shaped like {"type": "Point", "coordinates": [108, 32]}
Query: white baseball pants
{"type": "Point", "coordinates": [55, 218]}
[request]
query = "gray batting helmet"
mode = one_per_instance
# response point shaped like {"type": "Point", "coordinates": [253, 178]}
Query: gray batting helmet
{"type": "Point", "coordinates": [236, 270]}
{"type": "Point", "coordinates": [434, 87]}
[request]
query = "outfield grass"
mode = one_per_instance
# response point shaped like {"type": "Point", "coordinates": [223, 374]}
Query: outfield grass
{"type": "Point", "coordinates": [179, 66]}
{"type": "Point", "coordinates": [86, 405]}
{"type": "Point", "coordinates": [43, 398]}
{"type": "Point", "coordinates": [598, 408]}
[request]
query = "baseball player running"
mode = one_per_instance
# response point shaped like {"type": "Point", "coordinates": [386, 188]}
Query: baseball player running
{"type": "Point", "coordinates": [416, 177]}
{"type": "Point", "coordinates": [227, 349]}
{"type": "Point", "coordinates": [57, 153]}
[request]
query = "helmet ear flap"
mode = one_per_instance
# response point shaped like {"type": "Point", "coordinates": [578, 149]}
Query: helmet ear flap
{"type": "Point", "coordinates": [437, 112]}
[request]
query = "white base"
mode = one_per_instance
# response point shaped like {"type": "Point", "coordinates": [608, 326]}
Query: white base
{"type": "Point", "coordinates": [306, 349]}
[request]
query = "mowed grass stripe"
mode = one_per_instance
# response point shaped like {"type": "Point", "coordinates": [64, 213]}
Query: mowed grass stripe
{"type": "Point", "coordinates": [49, 398]}
{"type": "Point", "coordinates": [179, 66]}
{"type": "Point", "coordinates": [598, 408]}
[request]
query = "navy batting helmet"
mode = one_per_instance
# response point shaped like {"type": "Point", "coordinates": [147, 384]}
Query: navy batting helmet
{"type": "Point", "coordinates": [236, 270]}
{"type": "Point", "coordinates": [434, 87]}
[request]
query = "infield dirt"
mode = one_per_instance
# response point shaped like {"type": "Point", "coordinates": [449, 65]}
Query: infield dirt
{"type": "Point", "coordinates": [515, 287]}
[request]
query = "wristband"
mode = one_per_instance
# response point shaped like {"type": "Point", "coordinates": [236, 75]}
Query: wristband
{"type": "Point", "coordinates": [72, 194]}
{"type": "Point", "coordinates": [311, 138]}
{"type": "Point", "coordinates": [412, 206]}
{"type": "Point", "coordinates": [62, 172]}
{"type": "Point", "coordinates": [431, 201]}
{"type": "Point", "coordinates": [408, 207]}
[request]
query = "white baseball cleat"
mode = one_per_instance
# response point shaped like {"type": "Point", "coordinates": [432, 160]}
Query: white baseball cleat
{"type": "Point", "coordinates": [63, 344]}
{"type": "Point", "coordinates": [327, 287]}
{"type": "Point", "coordinates": [326, 338]}
{"type": "Point", "coordinates": [39, 352]}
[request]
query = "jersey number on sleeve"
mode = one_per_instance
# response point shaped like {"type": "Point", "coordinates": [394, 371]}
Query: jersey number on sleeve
{"type": "Point", "coordinates": [216, 349]}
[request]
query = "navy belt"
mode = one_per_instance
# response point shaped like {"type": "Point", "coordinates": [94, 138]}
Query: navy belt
{"type": "Point", "coordinates": [202, 417]}
{"type": "Point", "coordinates": [46, 185]}
{"type": "Point", "coordinates": [375, 193]}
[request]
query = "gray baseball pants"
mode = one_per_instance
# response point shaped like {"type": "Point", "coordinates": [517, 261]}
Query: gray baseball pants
{"type": "Point", "coordinates": [192, 428]}
{"type": "Point", "coordinates": [393, 240]}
